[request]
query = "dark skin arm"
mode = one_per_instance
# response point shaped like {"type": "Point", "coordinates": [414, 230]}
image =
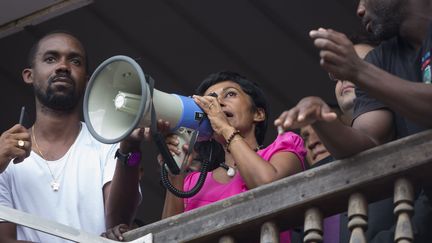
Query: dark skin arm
{"type": "Point", "coordinates": [365, 133]}
{"type": "Point", "coordinates": [10, 151]}
{"type": "Point", "coordinates": [116, 232]}
{"type": "Point", "coordinates": [8, 233]}
{"type": "Point", "coordinates": [338, 57]}
{"type": "Point", "coordinates": [368, 130]}
{"type": "Point", "coordinates": [122, 194]}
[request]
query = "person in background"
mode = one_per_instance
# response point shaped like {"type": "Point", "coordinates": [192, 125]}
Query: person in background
{"type": "Point", "coordinates": [316, 151]}
{"type": "Point", "coordinates": [393, 93]}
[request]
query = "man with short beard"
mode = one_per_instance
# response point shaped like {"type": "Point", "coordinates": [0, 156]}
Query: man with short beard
{"type": "Point", "coordinates": [68, 177]}
{"type": "Point", "coordinates": [394, 94]}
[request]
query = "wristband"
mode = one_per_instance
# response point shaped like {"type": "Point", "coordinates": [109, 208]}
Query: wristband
{"type": "Point", "coordinates": [130, 159]}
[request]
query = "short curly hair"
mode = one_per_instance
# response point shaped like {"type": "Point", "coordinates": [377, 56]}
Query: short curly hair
{"type": "Point", "coordinates": [35, 47]}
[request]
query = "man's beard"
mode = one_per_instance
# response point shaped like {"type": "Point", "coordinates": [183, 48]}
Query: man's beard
{"type": "Point", "coordinates": [65, 101]}
{"type": "Point", "coordinates": [387, 21]}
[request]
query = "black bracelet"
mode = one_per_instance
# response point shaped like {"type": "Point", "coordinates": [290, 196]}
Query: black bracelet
{"type": "Point", "coordinates": [230, 139]}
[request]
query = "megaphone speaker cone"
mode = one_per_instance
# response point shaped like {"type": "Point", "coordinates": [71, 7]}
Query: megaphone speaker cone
{"type": "Point", "coordinates": [115, 100]}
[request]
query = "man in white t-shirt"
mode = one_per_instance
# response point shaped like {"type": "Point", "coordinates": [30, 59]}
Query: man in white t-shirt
{"type": "Point", "coordinates": [68, 176]}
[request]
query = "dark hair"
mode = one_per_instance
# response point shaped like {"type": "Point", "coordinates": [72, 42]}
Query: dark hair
{"type": "Point", "coordinates": [35, 47]}
{"type": "Point", "coordinates": [204, 149]}
{"type": "Point", "coordinates": [251, 88]}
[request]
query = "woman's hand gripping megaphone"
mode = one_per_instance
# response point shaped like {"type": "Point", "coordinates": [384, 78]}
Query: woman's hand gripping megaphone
{"type": "Point", "coordinates": [177, 143]}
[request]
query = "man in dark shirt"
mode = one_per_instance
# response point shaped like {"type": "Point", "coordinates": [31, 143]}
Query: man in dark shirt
{"type": "Point", "coordinates": [397, 80]}
{"type": "Point", "coordinates": [396, 93]}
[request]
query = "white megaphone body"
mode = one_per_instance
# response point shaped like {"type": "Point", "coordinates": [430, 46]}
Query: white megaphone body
{"type": "Point", "coordinates": [118, 100]}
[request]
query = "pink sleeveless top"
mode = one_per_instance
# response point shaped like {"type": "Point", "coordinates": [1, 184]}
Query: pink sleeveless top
{"type": "Point", "coordinates": [213, 191]}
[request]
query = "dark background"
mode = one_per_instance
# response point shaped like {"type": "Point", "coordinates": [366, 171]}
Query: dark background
{"type": "Point", "coordinates": [180, 42]}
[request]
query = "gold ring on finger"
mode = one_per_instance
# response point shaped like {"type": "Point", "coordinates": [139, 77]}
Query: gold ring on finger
{"type": "Point", "coordinates": [210, 106]}
{"type": "Point", "coordinates": [21, 143]}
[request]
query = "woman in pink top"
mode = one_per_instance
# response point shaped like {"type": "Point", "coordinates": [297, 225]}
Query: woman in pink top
{"type": "Point", "coordinates": [237, 110]}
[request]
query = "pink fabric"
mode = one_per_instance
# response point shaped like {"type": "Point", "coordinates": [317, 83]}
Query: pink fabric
{"type": "Point", "coordinates": [286, 142]}
{"type": "Point", "coordinates": [213, 191]}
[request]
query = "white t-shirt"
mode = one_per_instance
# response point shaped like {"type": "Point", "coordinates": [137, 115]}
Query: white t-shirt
{"type": "Point", "coordinates": [82, 173]}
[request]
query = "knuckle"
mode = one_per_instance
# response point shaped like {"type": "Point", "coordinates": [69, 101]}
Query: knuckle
{"type": "Point", "coordinates": [326, 44]}
{"type": "Point", "coordinates": [291, 112]}
{"type": "Point", "coordinates": [324, 54]}
{"type": "Point", "coordinates": [326, 34]}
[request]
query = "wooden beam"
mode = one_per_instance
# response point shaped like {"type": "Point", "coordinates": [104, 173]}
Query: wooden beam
{"type": "Point", "coordinates": [371, 172]}
{"type": "Point", "coordinates": [53, 10]}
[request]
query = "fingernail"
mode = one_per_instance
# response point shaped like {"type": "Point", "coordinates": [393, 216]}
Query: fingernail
{"type": "Point", "coordinates": [300, 118]}
{"type": "Point", "coordinates": [280, 130]}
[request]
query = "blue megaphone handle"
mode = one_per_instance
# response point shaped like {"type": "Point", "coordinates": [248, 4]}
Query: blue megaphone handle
{"type": "Point", "coordinates": [193, 117]}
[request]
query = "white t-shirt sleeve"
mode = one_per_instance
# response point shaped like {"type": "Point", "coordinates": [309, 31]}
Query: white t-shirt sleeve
{"type": "Point", "coordinates": [107, 157]}
{"type": "Point", "coordinates": [5, 195]}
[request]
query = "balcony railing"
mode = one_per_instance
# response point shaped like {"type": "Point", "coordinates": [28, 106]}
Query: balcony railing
{"type": "Point", "coordinates": [390, 170]}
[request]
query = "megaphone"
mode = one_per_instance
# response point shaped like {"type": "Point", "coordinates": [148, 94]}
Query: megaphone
{"type": "Point", "coordinates": [118, 100]}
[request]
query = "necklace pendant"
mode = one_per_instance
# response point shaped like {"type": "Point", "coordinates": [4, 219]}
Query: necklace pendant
{"type": "Point", "coordinates": [231, 171]}
{"type": "Point", "coordinates": [55, 186]}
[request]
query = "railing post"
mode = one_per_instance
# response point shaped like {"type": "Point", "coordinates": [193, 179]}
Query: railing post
{"type": "Point", "coordinates": [269, 233]}
{"type": "Point", "coordinates": [357, 215]}
{"type": "Point", "coordinates": [313, 226]}
{"type": "Point", "coordinates": [226, 239]}
{"type": "Point", "coordinates": [403, 201]}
